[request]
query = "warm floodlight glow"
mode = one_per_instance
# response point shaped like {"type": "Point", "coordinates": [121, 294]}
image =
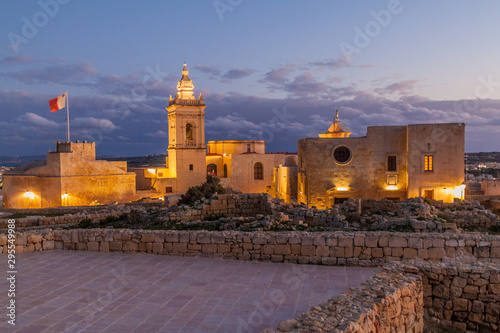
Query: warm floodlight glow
{"type": "Point", "coordinates": [64, 196]}
{"type": "Point", "coordinates": [30, 195]}
{"type": "Point", "coordinates": [153, 171]}
{"type": "Point", "coordinates": [391, 188]}
{"type": "Point", "coordinates": [458, 191]}
{"type": "Point", "coordinates": [342, 189]}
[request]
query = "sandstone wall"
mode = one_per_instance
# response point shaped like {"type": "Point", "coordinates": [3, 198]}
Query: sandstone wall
{"type": "Point", "coordinates": [227, 205]}
{"type": "Point", "coordinates": [491, 187]}
{"type": "Point", "coordinates": [460, 297]}
{"type": "Point", "coordinates": [456, 298]}
{"type": "Point", "coordinates": [388, 302]}
{"type": "Point", "coordinates": [366, 172]}
{"type": "Point", "coordinates": [334, 248]}
{"type": "Point", "coordinates": [34, 221]}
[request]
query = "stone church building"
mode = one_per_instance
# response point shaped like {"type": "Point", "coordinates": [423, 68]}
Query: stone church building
{"type": "Point", "coordinates": [240, 164]}
{"type": "Point", "coordinates": [393, 162]}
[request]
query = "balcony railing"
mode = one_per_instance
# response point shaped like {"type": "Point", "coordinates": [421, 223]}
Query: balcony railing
{"type": "Point", "coordinates": [186, 102]}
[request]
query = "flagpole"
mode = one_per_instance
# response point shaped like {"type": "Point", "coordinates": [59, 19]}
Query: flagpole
{"type": "Point", "coordinates": [68, 138]}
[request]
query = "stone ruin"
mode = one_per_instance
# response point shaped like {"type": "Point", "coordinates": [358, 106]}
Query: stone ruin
{"type": "Point", "coordinates": [438, 276]}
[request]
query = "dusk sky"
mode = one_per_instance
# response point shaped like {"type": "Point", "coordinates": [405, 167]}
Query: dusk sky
{"type": "Point", "coordinates": [269, 70]}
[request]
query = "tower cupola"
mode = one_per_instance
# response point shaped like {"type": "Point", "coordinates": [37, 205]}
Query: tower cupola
{"type": "Point", "coordinates": [185, 86]}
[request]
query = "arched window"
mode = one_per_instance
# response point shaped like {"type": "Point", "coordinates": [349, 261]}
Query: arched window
{"type": "Point", "coordinates": [258, 171]}
{"type": "Point", "coordinates": [225, 170]}
{"type": "Point", "coordinates": [189, 132]}
{"type": "Point", "coordinates": [212, 170]}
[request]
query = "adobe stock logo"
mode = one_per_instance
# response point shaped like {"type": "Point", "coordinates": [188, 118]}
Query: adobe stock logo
{"type": "Point", "coordinates": [372, 29]}
{"type": "Point", "coordinates": [30, 28]}
{"type": "Point", "coordinates": [222, 6]}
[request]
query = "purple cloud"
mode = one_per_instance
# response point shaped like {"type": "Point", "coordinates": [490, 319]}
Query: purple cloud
{"type": "Point", "coordinates": [17, 60]}
{"type": "Point", "coordinates": [279, 75]}
{"type": "Point", "coordinates": [66, 73]}
{"type": "Point", "coordinates": [402, 87]}
{"type": "Point", "coordinates": [236, 73]}
{"type": "Point", "coordinates": [207, 69]}
{"type": "Point", "coordinates": [90, 122]}
{"type": "Point", "coordinates": [36, 120]}
{"type": "Point", "coordinates": [331, 63]}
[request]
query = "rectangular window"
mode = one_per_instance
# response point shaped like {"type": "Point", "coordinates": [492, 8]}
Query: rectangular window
{"type": "Point", "coordinates": [428, 163]}
{"type": "Point", "coordinates": [168, 189]}
{"type": "Point", "coordinates": [191, 167]}
{"type": "Point", "coordinates": [429, 194]}
{"type": "Point", "coordinates": [160, 174]}
{"type": "Point", "coordinates": [391, 163]}
{"type": "Point", "coordinates": [101, 183]}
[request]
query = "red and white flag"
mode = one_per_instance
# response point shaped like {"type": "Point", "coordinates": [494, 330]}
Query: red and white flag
{"type": "Point", "coordinates": [58, 103]}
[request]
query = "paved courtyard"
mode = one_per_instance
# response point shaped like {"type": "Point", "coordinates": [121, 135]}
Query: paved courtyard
{"type": "Point", "coordinates": [70, 291]}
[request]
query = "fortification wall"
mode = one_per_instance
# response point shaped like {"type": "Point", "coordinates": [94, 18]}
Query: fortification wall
{"type": "Point", "coordinates": [454, 295]}
{"type": "Point", "coordinates": [329, 248]}
{"type": "Point", "coordinates": [375, 306]}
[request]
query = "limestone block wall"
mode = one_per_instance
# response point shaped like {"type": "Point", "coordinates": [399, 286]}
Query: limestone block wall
{"type": "Point", "coordinates": [34, 221]}
{"type": "Point", "coordinates": [461, 297]}
{"type": "Point", "coordinates": [481, 220]}
{"type": "Point", "coordinates": [455, 298]}
{"type": "Point", "coordinates": [388, 302]}
{"type": "Point", "coordinates": [455, 295]}
{"type": "Point", "coordinates": [491, 187]}
{"type": "Point", "coordinates": [227, 205]}
{"type": "Point", "coordinates": [334, 248]}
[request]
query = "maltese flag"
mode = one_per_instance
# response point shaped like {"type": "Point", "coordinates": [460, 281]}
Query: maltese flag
{"type": "Point", "coordinates": [58, 103]}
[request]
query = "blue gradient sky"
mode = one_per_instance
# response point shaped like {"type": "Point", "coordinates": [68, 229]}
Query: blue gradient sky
{"type": "Point", "coordinates": [268, 70]}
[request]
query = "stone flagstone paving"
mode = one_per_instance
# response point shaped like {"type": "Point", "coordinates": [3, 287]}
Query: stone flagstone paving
{"type": "Point", "coordinates": [71, 291]}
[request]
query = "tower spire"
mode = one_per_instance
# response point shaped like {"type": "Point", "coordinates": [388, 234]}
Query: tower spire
{"type": "Point", "coordinates": [337, 129]}
{"type": "Point", "coordinates": [185, 86]}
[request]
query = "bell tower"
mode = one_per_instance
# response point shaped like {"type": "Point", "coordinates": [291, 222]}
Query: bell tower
{"type": "Point", "coordinates": [186, 135]}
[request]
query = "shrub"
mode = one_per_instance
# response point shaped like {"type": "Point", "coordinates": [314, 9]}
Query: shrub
{"type": "Point", "coordinates": [84, 224]}
{"type": "Point", "coordinates": [205, 190]}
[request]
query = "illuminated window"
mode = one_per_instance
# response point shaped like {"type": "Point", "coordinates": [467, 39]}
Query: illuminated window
{"type": "Point", "coordinates": [258, 171]}
{"type": "Point", "coordinates": [428, 163]}
{"type": "Point", "coordinates": [101, 183]}
{"type": "Point", "coordinates": [391, 163]}
{"type": "Point", "coordinates": [211, 170]}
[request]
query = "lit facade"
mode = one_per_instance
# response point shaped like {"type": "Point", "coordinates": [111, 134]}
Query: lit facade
{"type": "Point", "coordinates": [240, 164]}
{"type": "Point", "coordinates": [393, 162]}
{"type": "Point", "coordinates": [71, 176]}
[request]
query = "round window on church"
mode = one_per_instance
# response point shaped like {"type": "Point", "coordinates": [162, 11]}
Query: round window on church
{"type": "Point", "coordinates": [342, 155]}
